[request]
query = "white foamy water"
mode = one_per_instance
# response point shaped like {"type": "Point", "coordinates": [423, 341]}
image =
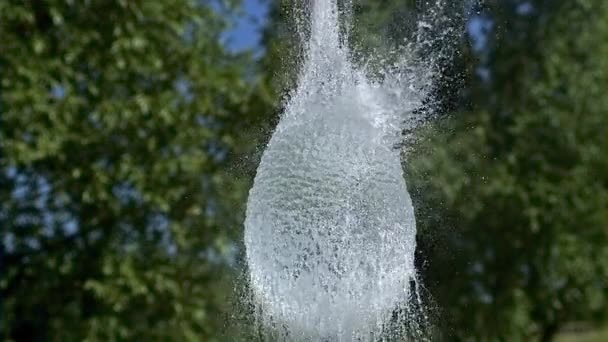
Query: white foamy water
{"type": "Point", "coordinates": [330, 228]}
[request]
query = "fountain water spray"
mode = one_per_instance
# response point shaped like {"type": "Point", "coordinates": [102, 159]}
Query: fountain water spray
{"type": "Point", "coordinates": [330, 232]}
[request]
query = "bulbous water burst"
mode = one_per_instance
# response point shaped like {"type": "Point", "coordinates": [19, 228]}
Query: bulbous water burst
{"type": "Point", "coordinates": [330, 229]}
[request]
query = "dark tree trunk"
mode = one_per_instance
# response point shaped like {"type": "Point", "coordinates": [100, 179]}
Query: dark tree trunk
{"type": "Point", "coordinates": [549, 332]}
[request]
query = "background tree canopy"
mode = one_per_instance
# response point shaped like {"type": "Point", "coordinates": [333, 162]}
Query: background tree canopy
{"type": "Point", "coordinates": [118, 209]}
{"type": "Point", "coordinates": [129, 135]}
{"type": "Point", "coordinates": [520, 182]}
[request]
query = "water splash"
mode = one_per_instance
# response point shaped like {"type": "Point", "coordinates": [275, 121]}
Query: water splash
{"type": "Point", "coordinates": [330, 228]}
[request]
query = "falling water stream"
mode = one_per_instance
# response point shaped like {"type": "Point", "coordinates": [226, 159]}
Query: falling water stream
{"type": "Point", "coordinates": [330, 232]}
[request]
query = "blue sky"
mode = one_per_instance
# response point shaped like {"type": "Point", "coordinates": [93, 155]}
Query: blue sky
{"type": "Point", "coordinates": [246, 33]}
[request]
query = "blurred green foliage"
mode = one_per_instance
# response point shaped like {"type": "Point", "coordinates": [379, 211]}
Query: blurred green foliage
{"type": "Point", "coordinates": [513, 193]}
{"type": "Point", "coordinates": [117, 203]}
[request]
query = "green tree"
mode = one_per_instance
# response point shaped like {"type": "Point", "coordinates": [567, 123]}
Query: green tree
{"type": "Point", "coordinates": [117, 206]}
{"type": "Point", "coordinates": [513, 195]}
